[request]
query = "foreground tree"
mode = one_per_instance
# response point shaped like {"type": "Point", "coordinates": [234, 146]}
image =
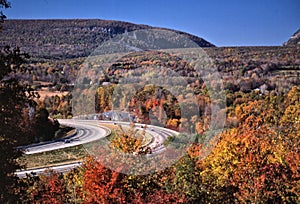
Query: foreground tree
{"type": "Point", "coordinates": [13, 131]}
{"type": "Point", "coordinates": [14, 98]}
{"type": "Point", "coordinates": [16, 128]}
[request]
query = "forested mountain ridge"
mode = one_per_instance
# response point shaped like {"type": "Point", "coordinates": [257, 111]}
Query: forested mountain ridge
{"type": "Point", "coordinates": [294, 39]}
{"type": "Point", "coordinates": [62, 39]}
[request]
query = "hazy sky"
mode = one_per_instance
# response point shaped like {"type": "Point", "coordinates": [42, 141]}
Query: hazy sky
{"type": "Point", "coordinates": [222, 22]}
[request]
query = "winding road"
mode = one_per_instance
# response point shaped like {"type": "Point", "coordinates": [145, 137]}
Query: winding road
{"type": "Point", "coordinates": [86, 131]}
{"type": "Point", "coordinates": [89, 131]}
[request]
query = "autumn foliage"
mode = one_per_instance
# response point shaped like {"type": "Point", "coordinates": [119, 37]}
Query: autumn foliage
{"type": "Point", "coordinates": [258, 161]}
{"type": "Point", "coordinates": [255, 161]}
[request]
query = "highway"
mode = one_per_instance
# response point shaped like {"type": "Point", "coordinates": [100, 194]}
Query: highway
{"type": "Point", "coordinates": [58, 168]}
{"type": "Point", "coordinates": [89, 131]}
{"type": "Point", "coordinates": [86, 131]}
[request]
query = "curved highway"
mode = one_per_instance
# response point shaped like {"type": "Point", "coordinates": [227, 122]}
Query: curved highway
{"type": "Point", "coordinates": [89, 131]}
{"type": "Point", "coordinates": [86, 131]}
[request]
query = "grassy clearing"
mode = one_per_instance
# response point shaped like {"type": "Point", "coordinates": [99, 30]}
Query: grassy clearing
{"type": "Point", "coordinates": [50, 158]}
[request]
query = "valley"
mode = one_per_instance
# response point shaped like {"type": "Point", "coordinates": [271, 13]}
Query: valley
{"type": "Point", "coordinates": [158, 113]}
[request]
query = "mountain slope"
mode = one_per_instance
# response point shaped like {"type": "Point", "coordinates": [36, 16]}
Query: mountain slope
{"type": "Point", "coordinates": [60, 39]}
{"type": "Point", "coordinates": [294, 40]}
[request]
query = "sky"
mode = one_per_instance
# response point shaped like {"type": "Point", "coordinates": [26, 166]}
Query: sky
{"type": "Point", "coordinates": [221, 22]}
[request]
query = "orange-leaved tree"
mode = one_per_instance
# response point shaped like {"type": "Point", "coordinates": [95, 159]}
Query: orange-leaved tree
{"type": "Point", "coordinates": [102, 185]}
{"type": "Point", "coordinates": [250, 162]}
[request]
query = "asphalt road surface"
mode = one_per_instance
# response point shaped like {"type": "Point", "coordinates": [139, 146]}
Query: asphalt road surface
{"type": "Point", "coordinates": [86, 131]}
{"type": "Point", "coordinates": [89, 131]}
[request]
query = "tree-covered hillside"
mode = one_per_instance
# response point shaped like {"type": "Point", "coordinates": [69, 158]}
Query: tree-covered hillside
{"type": "Point", "coordinates": [62, 39]}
